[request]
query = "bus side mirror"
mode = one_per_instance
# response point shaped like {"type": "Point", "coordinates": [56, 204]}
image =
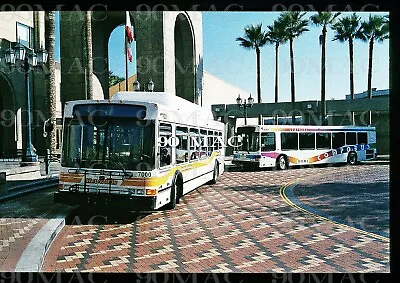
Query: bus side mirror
{"type": "Point", "coordinates": [47, 127]}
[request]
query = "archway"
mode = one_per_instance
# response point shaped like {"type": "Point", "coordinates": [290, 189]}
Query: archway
{"type": "Point", "coordinates": [184, 59]}
{"type": "Point", "coordinates": [104, 31]}
{"type": "Point", "coordinates": [7, 118]}
{"type": "Point", "coordinates": [119, 66]}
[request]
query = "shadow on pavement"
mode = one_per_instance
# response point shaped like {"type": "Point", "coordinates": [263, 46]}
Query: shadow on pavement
{"type": "Point", "coordinates": [102, 216]}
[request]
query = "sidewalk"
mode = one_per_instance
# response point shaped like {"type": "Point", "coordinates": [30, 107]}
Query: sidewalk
{"type": "Point", "coordinates": [24, 240]}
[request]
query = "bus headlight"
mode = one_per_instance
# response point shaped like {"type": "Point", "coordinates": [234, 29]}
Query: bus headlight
{"type": "Point", "coordinates": [140, 191]}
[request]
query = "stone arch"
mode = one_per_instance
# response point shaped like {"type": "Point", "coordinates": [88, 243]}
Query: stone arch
{"type": "Point", "coordinates": [103, 24]}
{"type": "Point", "coordinates": [7, 116]}
{"type": "Point", "coordinates": [185, 76]}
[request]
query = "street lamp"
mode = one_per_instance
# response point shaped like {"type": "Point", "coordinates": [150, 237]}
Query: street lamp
{"type": "Point", "coordinates": [150, 86]}
{"type": "Point", "coordinates": [136, 86]}
{"type": "Point", "coordinates": [29, 59]}
{"type": "Point", "coordinates": [245, 105]}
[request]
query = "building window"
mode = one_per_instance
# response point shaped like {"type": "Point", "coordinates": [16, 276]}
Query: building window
{"type": "Point", "coordinates": [24, 35]}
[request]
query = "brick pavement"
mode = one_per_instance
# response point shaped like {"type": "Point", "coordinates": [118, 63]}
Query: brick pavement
{"type": "Point", "coordinates": [15, 235]}
{"type": "Point", "coordinates": [355, 196]}
{"type": "Point", "coordinates": [240, 224]}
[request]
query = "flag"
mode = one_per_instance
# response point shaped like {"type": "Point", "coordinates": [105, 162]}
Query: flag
{"type": "Point", "coordinates": [128, 36]}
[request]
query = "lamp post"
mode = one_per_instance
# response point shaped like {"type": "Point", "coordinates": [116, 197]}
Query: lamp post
{"type": "Point", "coordinates": [29, 59]}
{"type": "Point", "coordinates": [245, 105]}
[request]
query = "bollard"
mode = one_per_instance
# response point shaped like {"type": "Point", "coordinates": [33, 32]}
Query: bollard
{"type": "Point", "coordinates": [3, 188]}
{"type": "Point", "coordinates": [47, 161]}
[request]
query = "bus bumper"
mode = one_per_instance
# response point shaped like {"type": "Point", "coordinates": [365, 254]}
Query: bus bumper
{"type": "Point", "coordinates": [132, 203]}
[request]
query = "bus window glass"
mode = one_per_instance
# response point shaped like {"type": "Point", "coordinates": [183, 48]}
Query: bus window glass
{"type": "Point", "coordinates": [109, 143]}
{"type": "Point", "coordinates": [250, 139]}
{"type": "Point", "coordinates": [323, 140]}
{"type": "Point", "coordinates": [182, 148]}
{"type": "Point", "coordinates": [362, 138]}
{"type": "Point", "coordinates": [210, 142]}
{"type": "Point", "coordinates": [268, 142]}
{"type": "Point", "coordinates": [351, 138]}
{"type": "Point", "coordinates": [194, 144]}
{"type": "Point", "coordinates": [289, 141]}
{"type": "Point", "coordinates": [203, 144]}
{"type": "Point", "coordinates": [337, 140]}
{"type": "Point", "coordinates": [306, 140]}
{"type": "Point", "coordinates": [165, 150]}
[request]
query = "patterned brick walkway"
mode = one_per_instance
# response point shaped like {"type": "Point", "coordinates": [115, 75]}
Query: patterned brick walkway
{"type": "Point", "coordinates": [353, 196]}
{"type": "Point", "coordinates": [15, 235]}
{"type": "Point", "coordinates": [241, 224]}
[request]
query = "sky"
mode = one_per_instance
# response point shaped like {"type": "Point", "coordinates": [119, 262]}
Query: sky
{"type": "Point", "coordinates": [227, 60]}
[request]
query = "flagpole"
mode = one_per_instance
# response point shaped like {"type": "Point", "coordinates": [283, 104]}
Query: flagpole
{"type": "Point", "coordinates": [126, 63]}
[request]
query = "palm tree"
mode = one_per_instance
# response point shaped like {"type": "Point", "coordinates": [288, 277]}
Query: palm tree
{"type": "Point", "coordinates": [51, 80]}
{"type": "Point", "coordinates": [346, 29]}
{"type": "Point", "coordinates": [254, 38]}
{"type": "Point", "coordinates": [323, 19]}
{"type": "Point", "coordinates": [294, 26]}
{"type": "Point", "coordinates": [375, 29]}
{"type": "Point", "coordinates": [276, 35]}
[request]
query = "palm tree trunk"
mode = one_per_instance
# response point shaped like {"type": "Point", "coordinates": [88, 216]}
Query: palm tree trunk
{"type": "Point", "coordinates": [323, 66]}
{"type": "Point", "coordinates": [371, 51]}
{"type": "Point", "coordinates": [51, 80]}
{"type": "Point", "coordinates": [258, 81]}
{"type": "Point", "coordinates": [89, 52]}
{"type": "Point", "coordinates": [276, 78]}
{"type": "Point", "coordinates": [351, 76]}
{"type": "Point", "coordinates": [292, 89]}
{"type": "Point", "coordinates": [351, 68]}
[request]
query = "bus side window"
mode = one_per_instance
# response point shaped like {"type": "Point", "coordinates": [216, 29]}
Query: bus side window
{"type": "Point", "coordinates": [323, 140]}
{"type": "Point", "coordinates": [182, 154]}
{"type": "Point", "coordinates": [203, 144]}
{"type": "Point", "coordinates": [268, 142]}
{"type": "Point", "coordinates": [351, 138]}
{"type": "Point", "coordinates": [210, 141]}
{"type": "Point", "coordinates": [306, 140]}
{"type": "Point", "coordinates": [165, 150]}
{"type": "Point", "coordinates": [194, 144]}
{"type": "Point", "coordinates": [338, 140]}
{"type": "Point", "coordinates": [289, 141]}
{"type": "Point", "coordinates": [362, 138]}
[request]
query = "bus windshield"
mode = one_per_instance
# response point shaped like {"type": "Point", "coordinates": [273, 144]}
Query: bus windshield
{"type": "Point", "coordinates": [250, 139]}
{"type": "Point", "coordinates": [109, 143]}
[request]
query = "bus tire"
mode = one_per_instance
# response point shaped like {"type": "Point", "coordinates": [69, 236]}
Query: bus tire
{"type": "Point", "coordinates": [282, 162]}
{"type": "Point", "coordinates": [173, 196]}
{"type": "Point", "coordinates": [215, 173]}
{"type": "Point", "coordinates": [179, 187]}
{"type": "Point", "coordinates": [352, 158]}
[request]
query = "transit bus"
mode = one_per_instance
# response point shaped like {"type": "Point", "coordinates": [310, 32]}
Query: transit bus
{"type": "Point", "coordinates": [138, 150]}
{"type": "Point", "coordinates": [282, 146]}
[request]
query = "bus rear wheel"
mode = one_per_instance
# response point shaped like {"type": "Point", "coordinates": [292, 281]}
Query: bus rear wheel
{"type": "Point", "coordinates": [281, 162]}
{"type": "Point", "coordinates": [215, 174]}
{"type": "Point", "coordinates": [352, 158]}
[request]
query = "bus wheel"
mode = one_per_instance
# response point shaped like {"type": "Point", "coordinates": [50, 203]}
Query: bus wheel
{"type": "Point", "coordinates": [281, 163]}
{"type": "Point", "coordinates": [352, 158]}
{"type": "Point", "coordinates": [173, 197]}
{"type": "Point", "coordinates": [215, 173]}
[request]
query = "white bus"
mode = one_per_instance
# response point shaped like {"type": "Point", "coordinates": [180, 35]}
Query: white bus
{"type": "Point", "coordinates": [139, 150]}
{"type": "Point", "coordinates": [282, 146]}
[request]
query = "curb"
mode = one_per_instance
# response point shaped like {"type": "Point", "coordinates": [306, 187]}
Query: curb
{"type": "Point", "coordinates": [33, 256]}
